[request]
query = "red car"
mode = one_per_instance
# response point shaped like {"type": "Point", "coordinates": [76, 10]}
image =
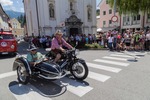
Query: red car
{"type": "Point", "coordinates": [8, 43]}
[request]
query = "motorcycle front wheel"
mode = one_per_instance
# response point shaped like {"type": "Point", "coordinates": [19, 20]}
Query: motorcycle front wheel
{"type": "Point", "coordinates": [23, 78]}
{"type": "Point", "coordinates": [79, 70]}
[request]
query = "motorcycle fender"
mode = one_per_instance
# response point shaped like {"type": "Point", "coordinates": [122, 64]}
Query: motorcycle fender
{"type": "Point", "coordinates": [80, 60]}
{"type": "Point", "coordinates": [20, 60]}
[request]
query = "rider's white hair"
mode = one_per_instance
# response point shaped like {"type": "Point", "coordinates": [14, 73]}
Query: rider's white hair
{"type": "Point", "coordinates": [58, 32]}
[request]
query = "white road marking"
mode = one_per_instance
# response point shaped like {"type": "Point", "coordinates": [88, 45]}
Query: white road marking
{"type": "Point", "coordinates": [122, 55]}
{"type": "Point", "coordinates": [134, 53]}
{"type": "Point", "coordinates": [8, 74]}
{"type": "Point", "coordinates": [112, 62]}
{"type": "Point", "coordinates": [102, 67]}
{"type": "Point", "coordinates": [115, 58]}
{"type": "Point", "coordinates": [98, 77]}
{"type": "Point", "coordinates": [77, 88]}
{"type": "Point", "coordinates": [27, 92]}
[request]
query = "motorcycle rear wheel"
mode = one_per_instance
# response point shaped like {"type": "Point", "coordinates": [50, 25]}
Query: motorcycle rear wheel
{"type": "Point", "coordinates": [23, 78]}
{"type": "Point", "coordinates": [79, 70]}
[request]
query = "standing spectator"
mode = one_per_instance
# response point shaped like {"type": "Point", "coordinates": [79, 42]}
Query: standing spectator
{"type": "Point", "coordinates": [136, 40]}
{"type": "Point", "coordinates": [110, 42]}
{"type": "Point", "coordinates": [127, 40]}
{"type": "Point", "coordinates": [148, 40]}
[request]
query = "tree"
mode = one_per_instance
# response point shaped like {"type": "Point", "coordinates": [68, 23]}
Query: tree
{"type": "Point", "coordinates": [98, 12]}
{"type": "Point", "coordinates": [21, 19]}
{"type": "Point", "coordinates": [131, 6]}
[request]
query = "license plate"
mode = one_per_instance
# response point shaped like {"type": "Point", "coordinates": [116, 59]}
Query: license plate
{"type": "Point", "coordinates": [4, 53]}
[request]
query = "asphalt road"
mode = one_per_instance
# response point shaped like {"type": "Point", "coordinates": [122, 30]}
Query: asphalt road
{"type": "Point", "coordinates": [112, 76]}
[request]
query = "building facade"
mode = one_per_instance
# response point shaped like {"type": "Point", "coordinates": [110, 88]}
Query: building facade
{"type": "Point", "coordinates": [124, 22]}
{"type": "Point", "coordinates": [44, 17]}
{"type": "Point", "coordinates": [16, 27]}
{"type": "Point", "coordinates": [134, 22]}
{"type": "Point", "coordinates": [3, 19]}
{"type": "Point", "coordinates": [106, 14]}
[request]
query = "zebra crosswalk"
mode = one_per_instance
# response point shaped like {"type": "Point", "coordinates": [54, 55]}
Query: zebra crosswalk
{"type": "Point", "coordinates": [80, 89]}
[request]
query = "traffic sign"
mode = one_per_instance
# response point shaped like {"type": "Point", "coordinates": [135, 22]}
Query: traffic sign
{"type": "Point", "coordinates": [114, 18]}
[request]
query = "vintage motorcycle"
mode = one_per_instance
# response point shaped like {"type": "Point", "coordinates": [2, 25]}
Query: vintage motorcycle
{"type": "Point", "coordinates": [69, 64]}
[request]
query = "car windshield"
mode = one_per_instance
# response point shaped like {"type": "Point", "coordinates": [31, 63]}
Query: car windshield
{"type": "Point", "coordinates": [6, 36]}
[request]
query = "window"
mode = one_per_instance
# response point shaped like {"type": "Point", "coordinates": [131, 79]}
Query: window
{"type": "Point", "coordinates": [7, 36]}
{"type": "Point", "coordinates": [104, 12]}
{"type": "Point", "coordinates": [134, 18]}
{"type": "Point", "coordinates": [106, 1]}
{"type": "Point", "coordinates": [110, 11]}
{"type": "Point", "coordinates": [51, 11]}
{"type": "Point", "coordinates": [138, 17]}
{"type": "Point", "coordinates": [148, 16]}
{"type": "Point", "coordinates": [124, 19]}
{"type": "Point", "coordinates": [110, 22]}
{"type": "Point", "coordinates": [116, 9]}
{"type": "Point", "coordinates": [71, 5]}
{"type": "Point", "coordinates": [128, 19]}
{"type": "Point", "coordinates": [104, 23]}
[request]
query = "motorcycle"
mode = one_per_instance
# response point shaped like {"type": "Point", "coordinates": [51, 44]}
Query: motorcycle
{"type": "Point", "coordinates": [69, 64]}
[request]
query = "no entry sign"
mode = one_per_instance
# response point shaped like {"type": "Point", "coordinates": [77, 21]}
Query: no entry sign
{"type": "Point", "coordinates": [114, 18]}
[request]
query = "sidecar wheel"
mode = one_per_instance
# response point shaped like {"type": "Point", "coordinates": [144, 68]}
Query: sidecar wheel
{"type": "Point", "coordinates": [23, 78]}
{"type": "Point", "coordinates": [79, 70]}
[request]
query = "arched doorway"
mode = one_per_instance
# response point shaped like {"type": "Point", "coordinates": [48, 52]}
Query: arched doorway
{"type": "Point", "coordinates": [73, 25]}
{"type": "Point", "coordinates": [73, 31]}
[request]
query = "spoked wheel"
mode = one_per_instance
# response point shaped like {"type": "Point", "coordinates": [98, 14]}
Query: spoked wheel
{"type": "Point", "coordinates": [23, 77]}
{"type": "Point", "coordinates": [79, 70]}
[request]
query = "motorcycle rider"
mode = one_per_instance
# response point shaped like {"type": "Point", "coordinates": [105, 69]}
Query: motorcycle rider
{"type": "Point", "coordinates": [33, 56]}
{"type": "Point", "coordinates": [57, 45]}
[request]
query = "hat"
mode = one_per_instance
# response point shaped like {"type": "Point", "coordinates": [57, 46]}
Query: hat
{"type": "Point", "coordinates": [58, 32]}
{"type": "Point", "coordinates": [31, 47]}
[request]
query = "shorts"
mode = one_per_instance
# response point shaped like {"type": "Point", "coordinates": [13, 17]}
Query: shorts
{"type": "Point", "coordinates": [128, 44]}
{"type": "Point", "coordinates": [57, 51]}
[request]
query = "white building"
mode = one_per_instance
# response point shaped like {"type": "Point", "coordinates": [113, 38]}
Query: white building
{"type": "Point", "coordinates": [44, 17]}
{"type": "Point", "coordinates": [134, 22]}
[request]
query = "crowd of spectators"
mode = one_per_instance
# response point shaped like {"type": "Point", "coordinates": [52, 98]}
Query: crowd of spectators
{"type": "Point", "coordinates": [113, 40]}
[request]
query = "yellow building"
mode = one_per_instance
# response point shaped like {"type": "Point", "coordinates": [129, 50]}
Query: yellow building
{"type": "Point", "coordinates": [16, 27]}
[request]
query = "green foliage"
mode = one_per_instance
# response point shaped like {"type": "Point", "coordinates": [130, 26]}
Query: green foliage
{"type": "Point", "coordinates": [93, 46]}
{"type": "Point", "coordinates": [98, 12]}
{"type": "Point", "coordinates": [131, 6]}
{"type": "Point", "coordinates": [21, 19]}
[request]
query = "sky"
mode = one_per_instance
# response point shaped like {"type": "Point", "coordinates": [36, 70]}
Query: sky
{"type": "Point", "coordinates": [17, 5]}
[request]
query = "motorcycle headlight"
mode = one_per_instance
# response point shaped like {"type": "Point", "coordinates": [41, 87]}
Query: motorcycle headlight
{"type": "Point", "coordinates": [77, 52]}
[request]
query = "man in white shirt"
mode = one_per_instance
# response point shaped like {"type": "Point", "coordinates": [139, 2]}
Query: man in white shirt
{"type": "Point", "coordinates": [148, 40]}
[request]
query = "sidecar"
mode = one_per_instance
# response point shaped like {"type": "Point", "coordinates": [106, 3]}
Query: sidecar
{"type": "Point", "coordinates": [46, 70]}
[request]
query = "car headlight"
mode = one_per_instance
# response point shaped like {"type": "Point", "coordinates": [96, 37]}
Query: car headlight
{"type": "Point", "coordinates": [12, 46]}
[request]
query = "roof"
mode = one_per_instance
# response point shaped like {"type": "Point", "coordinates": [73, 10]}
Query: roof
{"type": "Point", "coordinates": [3, 11]}
{"type": "Point", "coordinates": [104, 29]}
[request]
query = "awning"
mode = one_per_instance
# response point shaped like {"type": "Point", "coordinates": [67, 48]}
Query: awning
{"type": "Point", "coordinates": [104, 29]}
{"type": "Point", "coordinates": [99, 30]}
